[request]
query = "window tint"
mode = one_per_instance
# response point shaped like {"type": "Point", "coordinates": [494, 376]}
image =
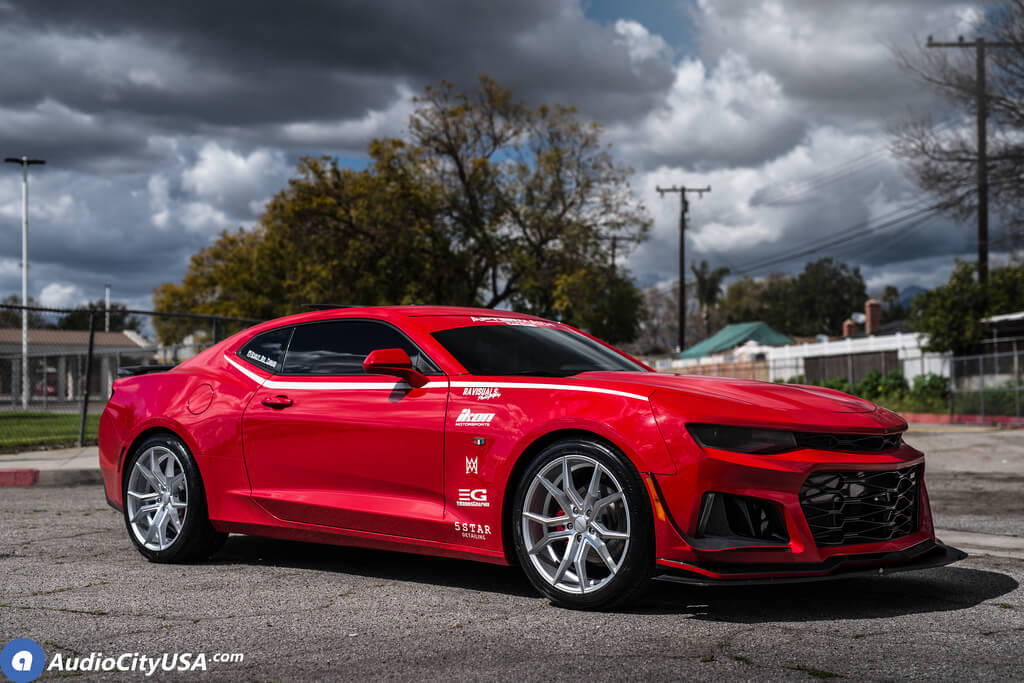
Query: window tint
{"type": "Point", "coordinates": [529, 351]}
{"type": "Point", "coordinates": [267, 350]}
{"type": "Point", "coordinates": [340, 347]}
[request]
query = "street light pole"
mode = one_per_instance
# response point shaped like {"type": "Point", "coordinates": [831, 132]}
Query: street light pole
{"type": "Point", "coordinates": [25, 163]}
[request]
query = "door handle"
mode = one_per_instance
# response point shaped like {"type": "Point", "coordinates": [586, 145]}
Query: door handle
{"type": "Point", "coordinates": [277, 402]}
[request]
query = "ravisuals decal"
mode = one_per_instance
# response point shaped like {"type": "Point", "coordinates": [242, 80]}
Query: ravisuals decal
{"type": "Point", "coordinates": [482, 393]}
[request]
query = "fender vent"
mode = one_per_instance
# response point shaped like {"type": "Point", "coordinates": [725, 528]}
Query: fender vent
{"type": "Point", "coordinates": [850, 507]}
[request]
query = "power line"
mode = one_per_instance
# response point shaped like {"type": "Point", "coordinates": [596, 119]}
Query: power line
{"type": "Point", "coordinates": [845, 235]}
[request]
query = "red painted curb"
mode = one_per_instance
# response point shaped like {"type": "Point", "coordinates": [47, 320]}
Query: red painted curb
{"type": "Point", "coordinates": [22, 477]}
{"type": "Point", "coordinates": [943, 419]}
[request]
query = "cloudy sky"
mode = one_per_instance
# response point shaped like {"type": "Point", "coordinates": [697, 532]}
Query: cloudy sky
{"type": "Point", "coordinates": [164, 123]}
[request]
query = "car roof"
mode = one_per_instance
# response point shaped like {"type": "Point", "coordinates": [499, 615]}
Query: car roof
{"type": "Point", "coordinates": [392, 313]}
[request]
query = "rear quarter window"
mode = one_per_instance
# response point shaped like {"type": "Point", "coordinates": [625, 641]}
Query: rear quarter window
{"type": "Point", "coordinates": [266, 351]}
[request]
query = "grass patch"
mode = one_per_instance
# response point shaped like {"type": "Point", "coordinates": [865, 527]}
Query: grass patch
{"type": "Point", "coordinates": [812, 672]}
{"type": "Point", "coordinates": [742, 659]}
{"type": "Point", "coordinates": [27, 429]}
{"type": "Point", "coordinates": [1005, 605]}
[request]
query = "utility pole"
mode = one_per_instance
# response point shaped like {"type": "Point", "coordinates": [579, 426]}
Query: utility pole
{"type": "Point", "coordinates": [979, 45]}
{"type": "Point", "coordinates": [106, 301]}
{"type": "Point", "coordinates": [684, 207]}
{"type": "Point", "coordinates": [615, 239]}
{"type": "Point", "coordinates": [25, 163]}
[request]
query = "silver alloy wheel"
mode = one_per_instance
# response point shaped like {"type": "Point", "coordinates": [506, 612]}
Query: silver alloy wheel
{"type": "Point", "coordinates": [575, 524]}
{"type": "Point", "coordinates": [157, 498]}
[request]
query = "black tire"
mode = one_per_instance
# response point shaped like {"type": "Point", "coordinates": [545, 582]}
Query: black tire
{"type": "Point", "coordinates": [197, 539]}
{"type": "Point", "coordinates": [635, 556]}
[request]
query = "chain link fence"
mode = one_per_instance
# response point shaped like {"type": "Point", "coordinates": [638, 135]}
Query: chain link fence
{"type": "Point", "coordinates": [57, 366]}
{"type": "Point", "coordinates": [987, 388]}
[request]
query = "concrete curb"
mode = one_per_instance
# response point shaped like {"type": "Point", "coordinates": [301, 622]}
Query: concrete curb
{"type": "Point", "coordinates": [24, 477]}
{"type": "Point", "coordinates": [19, 477]}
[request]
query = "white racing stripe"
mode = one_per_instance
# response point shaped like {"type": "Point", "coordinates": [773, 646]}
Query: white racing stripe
{"type": "Point", "coordinates": [389, 385]}
{"type": "Point", "coordinates": [548, 387]}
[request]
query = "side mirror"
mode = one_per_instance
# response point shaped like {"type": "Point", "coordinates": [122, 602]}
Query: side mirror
{"type": "Point", "coordinates": [396, 363]}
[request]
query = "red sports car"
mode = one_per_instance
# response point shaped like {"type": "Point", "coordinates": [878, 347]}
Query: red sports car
{"type": "Point", "coordinates": [506, 438]}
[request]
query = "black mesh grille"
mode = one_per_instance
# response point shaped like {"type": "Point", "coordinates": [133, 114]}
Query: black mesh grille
{"type": "Point", "coordinates": [856, 443]}
{"type": "Point", "coordinates": [845, 508]}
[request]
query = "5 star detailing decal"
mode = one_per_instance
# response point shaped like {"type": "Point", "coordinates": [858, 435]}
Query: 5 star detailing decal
{"type": "Point", "coordinates": [478, 532]}
{"type": "Point", "coordinates": [482, 393]}
{"type": "Point", "coordinates": [468, 417]}
{"type": "Point", "coordinates": [472, 498]}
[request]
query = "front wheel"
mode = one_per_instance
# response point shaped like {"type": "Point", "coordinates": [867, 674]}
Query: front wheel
{"type": "Point", "coordinates": [582, 525]}
{"type": "Point", "coordinates": [165, 505]}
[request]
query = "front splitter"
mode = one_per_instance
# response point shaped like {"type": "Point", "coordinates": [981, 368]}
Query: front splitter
{"type": "Point", "coordinates": [927, 555]}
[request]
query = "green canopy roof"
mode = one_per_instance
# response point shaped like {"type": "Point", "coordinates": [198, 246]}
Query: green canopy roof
{"type": "Point", "coordinates": [732, 336]}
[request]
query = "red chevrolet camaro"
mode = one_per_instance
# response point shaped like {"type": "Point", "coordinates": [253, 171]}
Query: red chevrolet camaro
{"type": "Point", "coordinates": [506, 438]}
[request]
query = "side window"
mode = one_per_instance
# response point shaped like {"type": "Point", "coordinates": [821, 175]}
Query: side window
{"type": "Point", "coordinates": [266, 351]}
{"type": "Point", "coordinates": [340, 347]}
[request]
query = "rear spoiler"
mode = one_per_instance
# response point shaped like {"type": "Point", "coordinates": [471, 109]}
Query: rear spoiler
{"type": "Point", "coordinates": [134, 370]}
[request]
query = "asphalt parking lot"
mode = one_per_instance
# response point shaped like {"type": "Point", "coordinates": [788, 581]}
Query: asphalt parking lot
{"type": "Point", "coordinates": [73, 582]}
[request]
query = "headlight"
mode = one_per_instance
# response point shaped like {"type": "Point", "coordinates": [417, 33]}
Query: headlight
{"type": "Point", "coordinates": [743, 439]}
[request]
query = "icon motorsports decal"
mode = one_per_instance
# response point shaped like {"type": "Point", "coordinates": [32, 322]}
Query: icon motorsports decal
{"type": "Point", "coordinates": [468, 417]}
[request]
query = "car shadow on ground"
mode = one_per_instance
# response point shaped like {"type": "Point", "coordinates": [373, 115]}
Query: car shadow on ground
{"type": "Point", "coordinates": [934, 590]}
{"type": "Point", "coordinates": [425, 569]}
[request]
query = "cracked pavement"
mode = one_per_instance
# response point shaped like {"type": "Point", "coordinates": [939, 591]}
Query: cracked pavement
{"type": "Point", "coordinates": [73, 582]}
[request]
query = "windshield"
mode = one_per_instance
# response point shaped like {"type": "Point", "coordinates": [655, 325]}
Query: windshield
{"type": "Point", "coordinates": [529, 351]}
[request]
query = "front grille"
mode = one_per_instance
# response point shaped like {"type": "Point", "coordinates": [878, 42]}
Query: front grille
{"type": "Point", "coordinates": [845, 508]}
{"type": "Point", "coordinates": [853, 443]}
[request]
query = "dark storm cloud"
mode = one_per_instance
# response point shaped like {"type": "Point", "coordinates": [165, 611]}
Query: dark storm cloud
{"type": "Point", "coordinates": [166, 122]}
{"type": "Point", "coordinates": [193, 65]}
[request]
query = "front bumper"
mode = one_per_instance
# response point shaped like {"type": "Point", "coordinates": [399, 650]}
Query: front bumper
{"type": "Point", "coordinates": [683, 553]}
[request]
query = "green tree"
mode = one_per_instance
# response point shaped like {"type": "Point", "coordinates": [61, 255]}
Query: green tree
{"type": "Point", "coordinates": [605, 304]}
{"type": "Point", "coordinates": [826, 293]}
{"type": "Point", "coordinates": [119, 320]}
{"type": "Point", "coordinates": [892, 309]}
{"type": "Point", "coordinates": [951, 314]}
{"type": "Point", "coordinates": [487, 202]}
{"type": "Point", "coordinates": [708, 289]}
{"type": "Point", "coordinates": [816, 301]}
{"type": "Point", "coordinates": [11, 317]}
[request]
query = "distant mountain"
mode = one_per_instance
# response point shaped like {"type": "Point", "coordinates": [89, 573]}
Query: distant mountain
{"type": "Point", "coordinates": [908, 294]}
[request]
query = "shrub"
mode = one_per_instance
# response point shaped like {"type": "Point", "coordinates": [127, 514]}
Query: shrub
{"type": "Point", "coordinates": [870, 387]}
{"type": "Point", "coordinates": [839, 384]}
{"type": "Point", "coordinates": [930, 387]}
{"type": "Point", "coordinates": [894, 385]}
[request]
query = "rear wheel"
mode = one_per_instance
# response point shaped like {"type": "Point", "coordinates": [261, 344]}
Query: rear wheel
{"type": "Point", "coordinates": [165, 504]}
{"type": "Point", "coordinates": [582, 525]}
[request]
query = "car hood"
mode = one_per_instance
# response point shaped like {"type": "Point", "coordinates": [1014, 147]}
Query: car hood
{"type": "Point", "coordinates": [739, 401]}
